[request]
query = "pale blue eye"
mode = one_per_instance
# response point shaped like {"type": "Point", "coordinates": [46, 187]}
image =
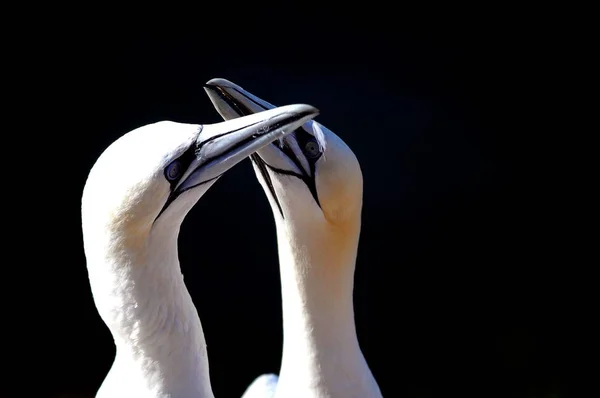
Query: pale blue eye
{"type": "Point", "coordinates": [173, 170]}
{"type": "Point", "coordinates": [311, 148]}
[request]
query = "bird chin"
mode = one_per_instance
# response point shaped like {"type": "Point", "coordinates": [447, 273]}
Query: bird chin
{"type": "Point", "coordinates": [185, 201]}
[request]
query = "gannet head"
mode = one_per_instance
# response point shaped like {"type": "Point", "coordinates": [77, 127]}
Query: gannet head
{"type": "Point", "coordinates": [152, 176]}
{"type": "Point", "coordinates": [311, 176]}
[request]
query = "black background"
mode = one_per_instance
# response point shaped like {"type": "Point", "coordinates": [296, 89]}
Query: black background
{"type": "Point", "coordinates": [453, 294]}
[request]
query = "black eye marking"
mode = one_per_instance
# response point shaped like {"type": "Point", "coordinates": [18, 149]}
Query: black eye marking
{"type": "Point", "coordinates": [311, 149]}
{"type": "Point", "coordinates": [309, 146]}
{"type": "Point", "coordinates": [303, 139]}
{"type": "Point", "coordinates": [176, 169]}
{"type": "Point", "coordinates": [173, 173]}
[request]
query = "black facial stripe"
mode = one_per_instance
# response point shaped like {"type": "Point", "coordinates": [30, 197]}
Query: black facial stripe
{"type": "Point", "coordinates": [265, 174]}
{"type": "Point", "coordinates": [189, 155]}
{"type": "Point", "coordinates": [243, 110]}
{"type": "Point", "coordinates": [287, 151]}
{"type": "Point", "coordinates": [176, 194]}
{"type": "Point", "coordinates": [308, 178]}
{"type": "Point", "coordinates": [309, 181]}
{"type": "Point", "coordinates": [262, 165]}
{"type": "Point", "coordinates": [185, 159]}
{"type": "Point", "coordinates": [301, 136]}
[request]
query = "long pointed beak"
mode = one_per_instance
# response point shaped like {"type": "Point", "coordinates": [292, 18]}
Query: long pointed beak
{"type": "Point", "coordinates": [232, 101]}
{"type": "Point", "coordinates": [221, 146]}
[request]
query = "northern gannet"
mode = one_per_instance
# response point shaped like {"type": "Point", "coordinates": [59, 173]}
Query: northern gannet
{"type": "Point", "coordinates": [134, 201]}
{"type": "Point", "coordinates": [314, 184]}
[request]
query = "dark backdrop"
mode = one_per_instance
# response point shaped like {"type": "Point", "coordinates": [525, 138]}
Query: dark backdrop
{"type": "Point", "coordinates": [453, 291]}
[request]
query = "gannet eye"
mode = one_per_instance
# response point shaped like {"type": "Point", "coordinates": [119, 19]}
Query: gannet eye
{"type": "Point", "coordinates": [173, 170]}
{"type": "Point", "coordinates": [311, 149]}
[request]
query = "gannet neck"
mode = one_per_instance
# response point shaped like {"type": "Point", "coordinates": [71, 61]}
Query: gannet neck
{"type": "Point", "coordinates": [321, 354]}
{"type": "Point", "coordinates": [140, 294]}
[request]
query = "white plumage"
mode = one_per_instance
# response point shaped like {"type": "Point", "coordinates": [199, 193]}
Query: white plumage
{"type": "Point", "coordinates": [314, 184]}
{"type": "Point", "coordinates": [134, 201]}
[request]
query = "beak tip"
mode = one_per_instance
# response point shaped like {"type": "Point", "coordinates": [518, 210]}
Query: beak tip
{"type": "Point", "coordinates": [307, 110]}
{"type": "Point", "coordinates": [217, 81]}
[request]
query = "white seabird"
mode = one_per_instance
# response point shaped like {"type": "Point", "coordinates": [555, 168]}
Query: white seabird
{"type": "Point", "coordinates": [134, 201]}
{"type": "Point", "coordinates": [314, 184]}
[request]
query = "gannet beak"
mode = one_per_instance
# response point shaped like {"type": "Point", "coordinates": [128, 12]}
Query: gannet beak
{"type": "Point", "coordinates": [221, 146]}
{"type": "Point", "coordinates": [232, 101]}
